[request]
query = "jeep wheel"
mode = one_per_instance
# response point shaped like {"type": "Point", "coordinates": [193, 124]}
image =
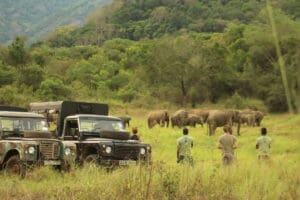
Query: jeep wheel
{"type": "Point", "coordinates": [92, 158]}
{"type": "Point", "coordinates": [14, 166]}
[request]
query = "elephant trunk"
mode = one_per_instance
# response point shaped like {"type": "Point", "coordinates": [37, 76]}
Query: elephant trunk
{"type": "Point", "coordinates": [238, 128]}
{"type": "Point", "coordinates": [167, 121]}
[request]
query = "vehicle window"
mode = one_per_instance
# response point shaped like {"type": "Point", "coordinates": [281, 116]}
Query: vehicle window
{"type": "Point", "coordinates": [24, 124]}
{"type": "Point", "coordinates": [96, 125]}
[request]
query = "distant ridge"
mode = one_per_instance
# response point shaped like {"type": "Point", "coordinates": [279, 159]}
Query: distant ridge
{"type": "Point", "coordinates": [36, 18]}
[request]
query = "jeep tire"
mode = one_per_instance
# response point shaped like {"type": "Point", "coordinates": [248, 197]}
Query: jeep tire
{"type": "Point", "coordinates": [92, 158]}
{"type": "Point", "coordinates": [14, 166]}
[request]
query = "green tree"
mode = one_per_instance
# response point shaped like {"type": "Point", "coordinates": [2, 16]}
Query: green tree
{"type": "Point", "coordinates": [7, 74]}
{"type": "Point", "coordinates": [170, 74]}
{"type": "Point", "coordinates": [18, 54]}
{"type": "Point", "coordinates": [53, 89]}
{"type": "Point", "coordinates": [41, 55]}
{"type": "Point", "coordinates": [263, 59]}
{"type": "Point", "coordinates": [31, 76]}
{"type": "Point", "coordinates": [62, 37]}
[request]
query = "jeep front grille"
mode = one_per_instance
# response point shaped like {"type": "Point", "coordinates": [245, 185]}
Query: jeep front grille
{"type": "Point", "coordinates": [49, 150]}
{"type": "Point", "coordinates": [127, 152]}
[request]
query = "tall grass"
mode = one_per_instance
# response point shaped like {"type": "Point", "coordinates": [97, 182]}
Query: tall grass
{"type": "Point", "coordinates": [165, 179]}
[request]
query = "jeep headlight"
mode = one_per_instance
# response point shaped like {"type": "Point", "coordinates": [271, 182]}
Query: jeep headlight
{"type": "Point", "coordinates": [67, 151]}
{"type": "Point", "coordinates": [31, 150]}
{"type": "Point", "coordinates": [142, 151]}
{"type": "Point", "coordinates": [108, 149]}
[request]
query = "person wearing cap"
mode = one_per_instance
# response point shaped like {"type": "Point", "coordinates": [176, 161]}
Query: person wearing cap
{"type": "Point", "coordinates": [184, 148]}
{"type": "Point", "coordinates": [134, 135]}
{"type": "Point", "coordinates": [227, 143]}
{"type": "Point", "coordinates": [263, 144]}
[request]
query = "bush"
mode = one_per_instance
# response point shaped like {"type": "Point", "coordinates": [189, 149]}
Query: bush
{"type": "Point", "coordinates": [235, 101]}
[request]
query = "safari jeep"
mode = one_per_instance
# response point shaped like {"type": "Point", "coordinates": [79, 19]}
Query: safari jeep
{"type": "Point", "coordinates": [98, 137]}
{"type": "Point", "coordinates": [25, 141]}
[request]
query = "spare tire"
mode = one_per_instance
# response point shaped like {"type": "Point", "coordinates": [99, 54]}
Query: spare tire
{"type": "Point", "coordinates": [120, 135]}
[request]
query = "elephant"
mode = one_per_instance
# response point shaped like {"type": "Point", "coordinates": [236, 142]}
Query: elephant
{"type": "Point", "coordinates": [258, 115]}
{"type": "Point", "coordinates": [192, 120]}
{"type": "Point", "coordinates": [218, 118]}
{"type": "Point", "coordinates": [179, 118]}
{"type": "Point", "coordinates": [202, 114]}
{"type": "Point", "coordinates": [160, 117]}
{"type": "Point", "coordinates": [125, 119]}
{"type": "Point", "coordinates": [248, 118]}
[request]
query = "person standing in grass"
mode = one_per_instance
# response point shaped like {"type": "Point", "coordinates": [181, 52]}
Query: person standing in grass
{"type": "Point", "coordinates": [263, 144]}
{"type": "Point", "coordinates": [227, 143]}
{"type": "Point", "coordinates": [184, 148]}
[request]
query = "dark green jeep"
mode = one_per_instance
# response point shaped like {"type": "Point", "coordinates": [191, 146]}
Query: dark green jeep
{"type": "Point", "coordinates": [98, 137]}
{"type": "Point", "coordinates": [26, 141]}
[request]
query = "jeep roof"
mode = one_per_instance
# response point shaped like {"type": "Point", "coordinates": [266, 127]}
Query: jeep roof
{"type": "Point", "coordinates": [94, 116]}
{"type": "Point", "coordinates": [20, 114]}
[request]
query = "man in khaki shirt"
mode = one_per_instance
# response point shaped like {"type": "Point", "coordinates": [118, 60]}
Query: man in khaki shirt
{"type": "Point", "coordinates": [227, 143]}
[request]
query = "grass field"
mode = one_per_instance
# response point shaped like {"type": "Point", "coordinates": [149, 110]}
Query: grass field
{"type": "Point", "coordinates": [165, 179]}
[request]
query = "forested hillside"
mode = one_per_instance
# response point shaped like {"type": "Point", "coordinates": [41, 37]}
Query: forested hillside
{"type": "Point", "coordinates": [35, 18]}
{"type": "Point", "coordinates": [167, 52]}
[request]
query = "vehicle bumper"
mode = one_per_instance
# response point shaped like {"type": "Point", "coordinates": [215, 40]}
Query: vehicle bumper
{"type": "Point", "coordinates": [109, 162]}
{"type": "Point", "coordinates": [43, 162]}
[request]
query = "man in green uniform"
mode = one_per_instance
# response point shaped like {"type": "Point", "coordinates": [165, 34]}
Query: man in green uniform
{"type": "Point", "coordinates": [227, 143]}
{"type": "Point", "coordinates": [184, 148]}
{"type": "Point", "coordinates": [263, 144]}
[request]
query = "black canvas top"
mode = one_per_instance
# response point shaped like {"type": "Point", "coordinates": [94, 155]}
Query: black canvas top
{"type": "Point", "coordinates": [67, 108]}
{"type": "Point", "coordinates": [12, 108]}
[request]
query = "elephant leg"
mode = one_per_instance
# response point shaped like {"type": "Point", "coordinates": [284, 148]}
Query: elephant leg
{"type": "Point", "coordinates": [167, 122]}
{"type": "Point", "coordinates": [214, 130]}
{"type": "Point", "coordinates": [158, 122]}
{"type": "Point", "coordinates": [162, 123]}
{"type": "Point", "coordinates": [238, 128]}
{"type": "Point", "coordinates": [258, 122]}
{"type": "Point", "coordinates": [210, 129]}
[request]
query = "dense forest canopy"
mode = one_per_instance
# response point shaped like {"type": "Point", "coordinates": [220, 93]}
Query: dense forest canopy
{"type": "Point", "coordinates": [35, 18]}
{"type": "Point", "coordinates": [182, 52]}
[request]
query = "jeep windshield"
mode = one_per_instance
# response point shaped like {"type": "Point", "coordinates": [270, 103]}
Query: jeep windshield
{"type": "Point", "coordinates": [94, 125]}
{"type": "Point", "coordinates": [20, 124]}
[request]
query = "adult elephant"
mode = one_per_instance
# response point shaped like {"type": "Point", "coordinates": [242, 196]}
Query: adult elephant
{"type": "Point", "coordinates": [179, 118]}
{"type": "Point", "coordinates": [160, 117]}
{"type": "Point", "coordinates": [218, 118]}
{"type": "Point", "coordinates": [258, 117]}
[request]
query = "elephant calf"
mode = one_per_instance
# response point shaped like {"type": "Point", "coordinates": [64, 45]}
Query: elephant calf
{"type": "Point", "coordinates": [160, 117]}
{"type": "Point", "coordinates": [258, 115]}
{"type": "Point", "coordinates": [247, 118]}
{"type": "Point", "coordinates": [192, 120]}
